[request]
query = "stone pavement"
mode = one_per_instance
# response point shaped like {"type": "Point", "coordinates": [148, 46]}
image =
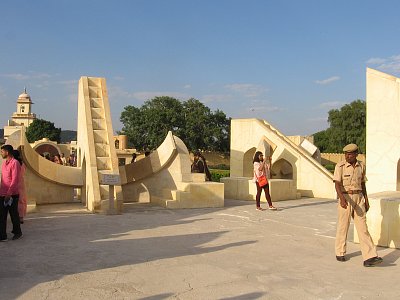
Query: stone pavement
{"type": "Point", "coordinates": [149, 252]}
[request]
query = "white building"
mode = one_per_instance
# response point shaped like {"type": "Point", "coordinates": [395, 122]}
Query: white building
{"type": "Point", "coordinates": [22, 117]}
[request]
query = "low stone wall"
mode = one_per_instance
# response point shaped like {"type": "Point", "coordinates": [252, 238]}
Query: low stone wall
{"type": "Point", "coordinates": [383, 219]}
{"type": "Point", "coordinates": [243, 188]}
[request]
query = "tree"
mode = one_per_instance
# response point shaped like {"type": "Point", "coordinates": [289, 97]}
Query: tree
{"type": "Point", "coordinates": [191, 120]}
{"type": "Point", "coordinates": [40, 129]}
{"type": "Point", "coordinates": [205, 129]}
{"type": "Point", "coordinates": [147, 126]}
{"type": "Point", "coordinates": [347, 125]}
{"type": "Point", "coordinates": [219, 137]}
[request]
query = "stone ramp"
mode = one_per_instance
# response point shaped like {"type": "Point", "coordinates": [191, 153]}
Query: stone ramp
{"type": "Point", "coordinates": [97, 150]}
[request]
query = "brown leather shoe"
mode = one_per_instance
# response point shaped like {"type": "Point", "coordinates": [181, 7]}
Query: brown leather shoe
{"type": "Point", "coordinates": [340, 258]}
{"type": "Point", "coordinates": [370, 262]}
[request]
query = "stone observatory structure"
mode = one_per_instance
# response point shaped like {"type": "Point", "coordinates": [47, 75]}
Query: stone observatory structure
{"type": "Point", "coordinates": [296, 170]}
{"type": "Point", "coordinates": [163, 178]}
{"type": "Point", "coordinates": [383, 158]}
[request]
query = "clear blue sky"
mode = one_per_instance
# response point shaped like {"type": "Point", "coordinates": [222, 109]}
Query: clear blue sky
{"type": "Point", "coordinates": [288, 62]}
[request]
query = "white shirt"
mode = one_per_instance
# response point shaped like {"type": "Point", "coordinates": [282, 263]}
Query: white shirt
{"type": "Point", "coordinates": [264, 171]}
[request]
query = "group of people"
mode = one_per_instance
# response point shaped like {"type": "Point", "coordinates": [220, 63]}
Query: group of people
{"type": "Point", "coordinates": [12, 192]}
{"type": "Point", "coordinates": [61, 159]}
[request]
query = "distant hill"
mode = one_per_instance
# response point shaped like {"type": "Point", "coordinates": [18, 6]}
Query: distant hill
{"type": "Point", "coordinates": [67, 136]}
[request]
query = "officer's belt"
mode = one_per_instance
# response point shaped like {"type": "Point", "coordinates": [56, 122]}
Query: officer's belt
{"type": "Point", "coordinates": [352, 192]}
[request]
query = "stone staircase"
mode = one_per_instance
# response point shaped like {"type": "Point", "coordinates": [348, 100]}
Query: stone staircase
{"type": "Point", "coordinates": [99, 148]}
{"type": "Point", "coordinates": [191, 194]}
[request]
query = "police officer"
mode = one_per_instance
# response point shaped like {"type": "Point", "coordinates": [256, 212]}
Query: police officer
{"type": "Point", "coordinates": [349, 178]}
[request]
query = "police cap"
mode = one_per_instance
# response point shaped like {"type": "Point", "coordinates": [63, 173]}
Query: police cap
{"type": "Point", "coordinates": [350, 148]}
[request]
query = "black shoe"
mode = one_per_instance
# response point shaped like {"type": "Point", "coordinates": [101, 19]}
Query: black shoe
{"type": "Point", "coordinates": [17, 236]}
{"type": "Point", "coordinates": [340, 258]}
{"type": "Point", "coordinates": [370, 262]}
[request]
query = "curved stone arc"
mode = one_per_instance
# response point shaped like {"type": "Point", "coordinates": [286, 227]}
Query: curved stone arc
{"type": "Point", "coordinates": [64, 175]}
{"type": "Point", "coordinates": [47, 143]}
{"type": "Point", "coordinates": [151, 164]}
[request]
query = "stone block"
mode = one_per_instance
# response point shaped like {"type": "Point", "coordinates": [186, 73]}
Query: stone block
{"type": "Point", "coordinates": [198, 177]}
{"type": "Point", "coordinates": [383, 219]}
{"type": "Point", "coordinates": [243, 188]}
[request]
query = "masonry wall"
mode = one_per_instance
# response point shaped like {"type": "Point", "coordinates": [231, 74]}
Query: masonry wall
{"type": "Point", "coordinates": [383, 135]}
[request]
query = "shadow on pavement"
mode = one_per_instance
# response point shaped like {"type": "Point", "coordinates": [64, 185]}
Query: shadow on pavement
{"type": "Point", "coordinates": [249, 296]}
{"type": "Point", "coordinates": [55, 245]}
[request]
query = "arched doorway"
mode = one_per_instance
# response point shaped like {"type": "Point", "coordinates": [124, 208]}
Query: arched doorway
{"type": "Point", "coordinates": [282, 169]}
{"type": "Point", "coordinates": [248, 162]}
{"type": "Point", "coordinates": [45, 148]}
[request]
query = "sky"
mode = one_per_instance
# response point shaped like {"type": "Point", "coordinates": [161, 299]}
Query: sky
{"type": "Point", "coordinates": [287, 62]}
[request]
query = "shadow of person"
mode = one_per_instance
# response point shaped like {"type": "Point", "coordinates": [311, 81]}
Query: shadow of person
{"type": "Point", "coordinates": [354, 254]}
{"type": "Point", "coordinates": [248, 296]}
{"type": "Point", "coordinates": [158, 297]}
{"type": "Point", "coordinates": [390, 259]}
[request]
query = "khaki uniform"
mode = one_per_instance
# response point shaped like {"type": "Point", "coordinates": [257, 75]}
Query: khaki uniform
{"type": "Point", "coordinates": [351, 179]}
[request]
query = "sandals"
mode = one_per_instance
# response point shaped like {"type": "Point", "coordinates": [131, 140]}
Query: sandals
{"type": "Point", "coordinates": [259, 208]}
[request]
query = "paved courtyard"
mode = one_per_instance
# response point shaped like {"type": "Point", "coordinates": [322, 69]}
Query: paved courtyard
{"type": "Point", "coordinates": [149, 252]}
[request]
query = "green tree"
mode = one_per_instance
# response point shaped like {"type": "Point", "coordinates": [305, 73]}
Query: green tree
{"type": "Point", "coordinates": [219, 137]}
{"type": "Point", "coordinates": [191, 120]}
{"type": "Point", "coordinates": [147, 126]}
{"type": "Point", "coordinates": [40, 129]}
{"type": "Point", "coordinates": [347, 125]}
{"type": "Point", "coordinates": [205, 129]}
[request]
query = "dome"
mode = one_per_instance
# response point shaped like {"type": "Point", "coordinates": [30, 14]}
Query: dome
{"type": "Point", "coordinates": [24, 96]}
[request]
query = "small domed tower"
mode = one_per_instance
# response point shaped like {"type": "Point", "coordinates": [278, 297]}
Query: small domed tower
{"type": "Point", "coordinates": [24, 115]}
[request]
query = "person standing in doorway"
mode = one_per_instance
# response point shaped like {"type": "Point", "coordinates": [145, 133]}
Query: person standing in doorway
{"type": "Point", "coordinates": [261, 176]}
{"type": "Point", "coordinates": [349, 178]}
{"type": "Point", "coordinates": [9, 193]}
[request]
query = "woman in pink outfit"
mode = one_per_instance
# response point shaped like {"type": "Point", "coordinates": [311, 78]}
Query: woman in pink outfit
{"type": "Point", "coordinates": [22, 202]}
{"type": "Point", "coordinates": [262, 168]}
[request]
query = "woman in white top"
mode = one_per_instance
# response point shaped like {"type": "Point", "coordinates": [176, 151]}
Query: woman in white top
{"type": "Point", "coordinates": [262, 168]}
